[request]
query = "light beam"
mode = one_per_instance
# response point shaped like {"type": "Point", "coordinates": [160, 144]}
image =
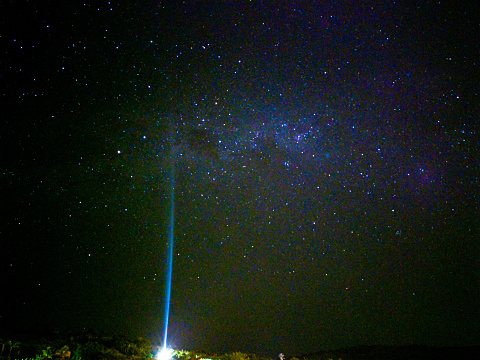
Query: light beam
{"type": "Point", "coordinates": [170, 247]}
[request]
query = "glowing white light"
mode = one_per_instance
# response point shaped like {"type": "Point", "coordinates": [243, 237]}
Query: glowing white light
{"type": "Point", "coordinates": [164, 354]}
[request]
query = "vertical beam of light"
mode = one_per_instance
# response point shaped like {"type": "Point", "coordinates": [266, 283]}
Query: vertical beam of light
{"type": "Point", "coordinates": [170, 246]}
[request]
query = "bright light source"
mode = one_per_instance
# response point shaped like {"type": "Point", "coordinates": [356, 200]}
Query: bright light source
{"type": "Point", "coordinates": [164, 354]}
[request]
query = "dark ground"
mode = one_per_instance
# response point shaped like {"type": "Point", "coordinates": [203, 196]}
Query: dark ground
{"type": "Point", "coordinates": [88, 345]}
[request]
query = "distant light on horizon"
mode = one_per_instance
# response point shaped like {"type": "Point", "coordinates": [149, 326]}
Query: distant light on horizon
{"type": "Point", "coordinates": [164, 354]}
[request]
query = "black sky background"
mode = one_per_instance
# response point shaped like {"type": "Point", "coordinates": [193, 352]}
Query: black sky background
{"type": "Point", "coordinates": [326, 160]}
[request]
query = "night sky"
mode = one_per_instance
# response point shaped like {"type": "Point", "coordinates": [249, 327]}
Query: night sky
{"type": "Point", "coordinates": [326, 171]}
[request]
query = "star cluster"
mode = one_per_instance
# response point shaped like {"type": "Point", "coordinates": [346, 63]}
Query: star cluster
{"type": "Point", "coordinates": [326, 187]}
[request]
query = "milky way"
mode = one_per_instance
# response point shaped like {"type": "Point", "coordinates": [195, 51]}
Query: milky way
{"type": "Point", "coordinates": [326, 172]}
